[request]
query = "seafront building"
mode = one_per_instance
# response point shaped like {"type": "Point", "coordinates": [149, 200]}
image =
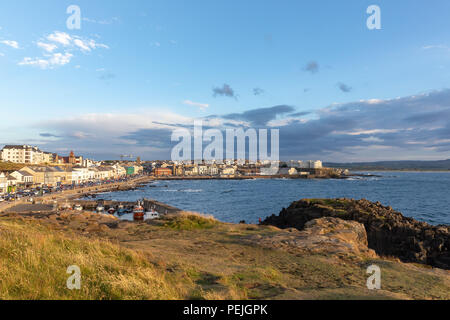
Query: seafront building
{"type": "Point", "coordinates": [22, 154]}
{"type": "Point", "coordinates": [3, 183]}
{"type": "Point", "coordinates": [23, 177]}
{"type": "Point", "coordinates": [26, 154]}
{"type": "Point", "coordinates": [235, 168]}
{"type": "Point", "coordinates": [52, 176]}
{"type": "Point", "coordinates": [49, 169]}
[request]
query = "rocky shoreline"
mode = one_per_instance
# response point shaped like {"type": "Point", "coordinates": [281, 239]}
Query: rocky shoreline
{"type": "Point", "coordinates": [389, 233]}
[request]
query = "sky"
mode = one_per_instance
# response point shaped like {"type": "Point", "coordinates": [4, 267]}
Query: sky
{"type": "Point", "coordinates": [137, 70]}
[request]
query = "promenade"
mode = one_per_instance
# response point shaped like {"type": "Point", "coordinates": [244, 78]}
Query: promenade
{"type": "Point", "coordinates": [76, 192]}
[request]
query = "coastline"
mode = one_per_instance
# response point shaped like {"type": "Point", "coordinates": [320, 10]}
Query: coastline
{"type": "Point", "coordinates": [210, 259]}
{"type": "Point", "coordinates": [186, 256]}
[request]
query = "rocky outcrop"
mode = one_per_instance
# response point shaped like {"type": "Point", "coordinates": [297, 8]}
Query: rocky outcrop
{"type": "Point", "coordinates": [328, 235]}
{"type": "Point", "coordinates": [389, 233]}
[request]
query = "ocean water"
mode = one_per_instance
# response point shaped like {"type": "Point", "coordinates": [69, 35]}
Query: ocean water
{"type": "Point", "coordinates": [424, 196]}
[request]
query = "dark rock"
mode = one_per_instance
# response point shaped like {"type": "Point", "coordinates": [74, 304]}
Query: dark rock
{"type": "Point", "coordinates": [389, 232]}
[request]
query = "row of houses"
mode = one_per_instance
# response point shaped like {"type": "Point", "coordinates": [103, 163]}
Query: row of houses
{"type": "Point", "coordinates": [225, 170]}
{"type": "Point", "coordinates": [194, 170]}
{"type": "Point", "coordinates": [62, 175]}
{"type": "Point", "coordinates": [310, 164]}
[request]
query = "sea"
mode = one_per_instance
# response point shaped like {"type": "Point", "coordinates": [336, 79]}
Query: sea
{"type": "Point", "coordinates": [424, 196]}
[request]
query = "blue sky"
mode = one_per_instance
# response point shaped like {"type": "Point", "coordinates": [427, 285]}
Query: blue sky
{"type": "Point", "coordinates": [105, 89]}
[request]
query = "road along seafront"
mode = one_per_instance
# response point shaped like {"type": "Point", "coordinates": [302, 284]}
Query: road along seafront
{"type": "Point", "coordinates": [77, 192]}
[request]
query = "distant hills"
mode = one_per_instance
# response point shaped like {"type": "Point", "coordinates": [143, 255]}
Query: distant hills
{"type": "Point", "coordinates": [406, 165]}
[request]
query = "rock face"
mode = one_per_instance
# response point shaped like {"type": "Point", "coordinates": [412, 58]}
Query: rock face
{"type": "Point", "coordinates": [325, 235]}
{"type": "Point", "coordinates": [389, 233]}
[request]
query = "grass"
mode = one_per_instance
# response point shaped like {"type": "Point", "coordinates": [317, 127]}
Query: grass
{"type": "Point", "coordinates": [10, 167]}
{"type": "Point", "coordinates": [190, 221]}
{"type": "Point", "coordinates": [34, 260]}
{"type": "Point", "coordinates": [190, 257]}
{"type": "Point", "coordinates": [334, 203]}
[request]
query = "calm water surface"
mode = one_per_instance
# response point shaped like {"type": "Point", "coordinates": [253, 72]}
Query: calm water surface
{"type": "Point", "coordinates": [421, 195]}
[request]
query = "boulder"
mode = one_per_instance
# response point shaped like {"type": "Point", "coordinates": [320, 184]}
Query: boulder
{"type": "Point", "coordinates": [328, 235]}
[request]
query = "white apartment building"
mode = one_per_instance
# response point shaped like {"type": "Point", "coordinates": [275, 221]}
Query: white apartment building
{"type": "Point", "coordinates": [22, 154]}
{"type": "Point", "coordinates": [213, 170]}
{"type": "Point", "coordinates": [315, 164]}
{"type": "Point", "coordinates": [80, 175]}
{"type": "Point", "coordinates": [47, 157]}
{"type": "Point", "coordinates": [310, 164]}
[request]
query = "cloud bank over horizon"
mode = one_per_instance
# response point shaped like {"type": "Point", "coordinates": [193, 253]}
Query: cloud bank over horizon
{"type": "Point", "coordinates": [413, 127]}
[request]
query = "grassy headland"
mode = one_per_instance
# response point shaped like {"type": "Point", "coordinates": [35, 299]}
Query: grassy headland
{"type": "Point", "coordinates": [188, 256]}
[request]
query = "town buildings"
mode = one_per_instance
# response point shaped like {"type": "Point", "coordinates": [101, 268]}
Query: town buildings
{"type": "Point", "coordinates": [235, 168]}
{"type": "Point", "coordinates": [27, 154]}
{"type": "Point", "coordinates": [310, 164]}
{"type": "Point", "coordinates": [49, 175]}
{"type": "Point", "coordinates": [22, 154]}
{"type": "Point", "coordinates": [159, 172]}
{"type": "Point", "coordinates": [3, 183]}
{"type": "Point", "coordinates": [23, 178]}
{"type": "Point", "coordinates": [52, 176]}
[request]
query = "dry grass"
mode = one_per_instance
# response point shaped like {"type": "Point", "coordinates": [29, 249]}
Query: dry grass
{"type": "Point", "coordinates": [10, 167]}
{"type": "Point", "coordinates": [189, 221]}
{"type": "Point", "coordinates": [190, 256]}
{"type": "Point", "coordinates": [34, 260]}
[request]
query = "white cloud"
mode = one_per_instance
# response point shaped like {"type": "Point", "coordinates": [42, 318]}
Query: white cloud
{"type": "Point", "coordinates": [80, 44]}
{"type": "Point", "coordinates": [49, 47]}
{"type": "Point", "coordinates": [85, 45]}
{"type": "Point", "coordinates": [106, 133]}
{"type": "Point", "coordinates": [70, 43]}
{"type": "Point", "coordinates": [50, 61]}
{"type": "Point", "coordinates": [60, 59]}
{"type": "Point", "coordinates": [27, 61]}
{"type": "Point", "coordinates": [366, 132]}
{"type": "Point", "coordinates": [437, 46]}
{"type": "Point", "coordinates": [11, 43]}
{"type": "Point", "coordinates": [196, 104]}
{"type": "Point", "coordinates": [60, 37]}
{"type": "Point", "coordinates": [372, 139]}
{"type": "Point", "coordinates": [75, 41]}
{"type": "Point", "coordinates": [88, 45]}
